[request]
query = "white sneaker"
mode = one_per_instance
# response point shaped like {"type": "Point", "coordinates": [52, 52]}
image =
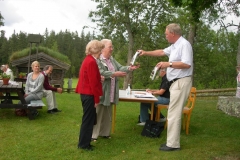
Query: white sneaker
{"type": "Point", "coordinates": [141, 124]}
{"type": "Point", "coordinates": [162, 119]}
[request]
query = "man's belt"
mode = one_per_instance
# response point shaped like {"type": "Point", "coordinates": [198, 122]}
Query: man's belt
{"type": "Point", "coordinates": [172, 81]}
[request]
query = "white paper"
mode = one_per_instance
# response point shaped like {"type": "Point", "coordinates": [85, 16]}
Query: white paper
{"type": "Point", "coordinates": [153, 73]}
{"type": "Point", "coordinates": [143, 95]}
{"type": "Point", "coordinates": [134, 58]}
{"type": "Point", "coordinates": [13, 82]}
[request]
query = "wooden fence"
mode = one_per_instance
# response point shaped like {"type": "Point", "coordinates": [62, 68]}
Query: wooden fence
{"type": "Point", "coordinates": [200, 93]}
{"type": "Point", "coordinates": [216, 92]}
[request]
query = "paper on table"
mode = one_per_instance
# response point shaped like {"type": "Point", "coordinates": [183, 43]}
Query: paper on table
{"type": "Point", "coordinates": [144, 95]}
{"type": "Point", "coordinates": [13, 82]}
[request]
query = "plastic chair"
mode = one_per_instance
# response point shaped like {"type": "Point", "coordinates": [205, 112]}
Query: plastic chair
{"type": "Point", "coordinates": [187, 110]}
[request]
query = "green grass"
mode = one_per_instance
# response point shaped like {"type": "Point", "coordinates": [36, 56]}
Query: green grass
{"type": "Point", "coordinates": [74, 82]}
{"type": "Point", "coordinates": [213, 135]}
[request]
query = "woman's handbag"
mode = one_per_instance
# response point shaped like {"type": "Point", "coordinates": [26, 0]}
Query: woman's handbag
{"type": "Point", "coordinates": [20, 112]}
{"type": "Point", "coordinates": [152, 129]}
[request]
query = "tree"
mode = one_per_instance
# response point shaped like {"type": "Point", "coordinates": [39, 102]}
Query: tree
{"type": "Point", "coordinates": [2, 41]}
{"type": "Point", "coordinates": [224, 8]}
{"type": "Point", "coordinates": [214, 60]}
{"type": "Point", "coordinates": [199, 8]}
{"type": "Point", "coordinates": [132, 21]}
{"type": "Point", "coordinates": [195, 7]}
{"type": "Point", "coordinates": [1, 20]}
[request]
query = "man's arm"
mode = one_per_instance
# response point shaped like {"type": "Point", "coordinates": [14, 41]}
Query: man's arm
{"type": "Point", "coordinates": [46, 84]}
{"type": "Point", "coordinates": [155, 53]}
{"type": "Point", "coordinates": [59, 90]}
{"type": "Point", "coordinates": [176, 65]}
{"type": "Point", "coordinates": [109, 74]}
{"type": "Point", "coordinates": [156, 92]}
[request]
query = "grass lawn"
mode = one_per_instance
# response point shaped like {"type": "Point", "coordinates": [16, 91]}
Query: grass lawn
{"type": "Point", "coordinates": [74, 82]}
{"type": "Point", "coordinates": [213, 135]}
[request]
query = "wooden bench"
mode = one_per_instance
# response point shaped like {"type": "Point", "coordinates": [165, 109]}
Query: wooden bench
{"type": "Point", "coordinates": [14, 91]}
{"type": "Point", "coordinates": [35, 104]}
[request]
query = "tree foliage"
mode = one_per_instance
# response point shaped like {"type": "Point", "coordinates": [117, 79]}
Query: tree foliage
{"type": "Point", "coordinates": [132, 22]}
{"type": "Point", "coordinates": [1, 20]}
{"type": "Point", "coordinates": [133, 25]}
{"type": "Point", "coordinates": [195, 7]}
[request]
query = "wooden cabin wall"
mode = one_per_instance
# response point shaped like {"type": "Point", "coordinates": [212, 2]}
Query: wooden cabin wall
{"type": "Point", "coordinates": [59, 68]}
{"type": "Point", "coordinates": [56, 78]}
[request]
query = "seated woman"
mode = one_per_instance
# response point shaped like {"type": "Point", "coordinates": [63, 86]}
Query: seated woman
{"type": "Point", "coordinates": [34, 85]}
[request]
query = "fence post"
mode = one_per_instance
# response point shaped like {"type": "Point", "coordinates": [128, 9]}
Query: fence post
{"type": "Point", "coordinates": [69, 85]}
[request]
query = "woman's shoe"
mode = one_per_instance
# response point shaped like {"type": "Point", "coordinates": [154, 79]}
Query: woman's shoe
{"type": "Point", "coordinates": [88, 148]}
{"type": "Point", "coordinates": [107, 137]}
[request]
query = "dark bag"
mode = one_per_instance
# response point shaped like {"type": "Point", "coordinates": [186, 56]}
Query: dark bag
{"type": "Point", "coordinates": [152, 129]}
{"type": "Point", "coordinates": [20, 112]}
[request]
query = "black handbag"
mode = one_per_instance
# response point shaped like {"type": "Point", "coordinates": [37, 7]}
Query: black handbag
{"type": "Point", "coordinates": [152, 129]}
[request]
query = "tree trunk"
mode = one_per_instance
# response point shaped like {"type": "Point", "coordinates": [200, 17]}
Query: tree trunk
{"type": "Point", "coordinates": [238, 52]}
{"type": "Point", "coordinates": [192, 34]}
{"type": "Point", "coordinates": [128, 78]}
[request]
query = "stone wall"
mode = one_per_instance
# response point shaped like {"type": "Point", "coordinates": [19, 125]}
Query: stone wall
{"type": "Point", "coordinates": [230, 105]}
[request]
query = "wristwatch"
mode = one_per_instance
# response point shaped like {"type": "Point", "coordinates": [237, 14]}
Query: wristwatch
{"type": "Point", "coordinates": [170, 64]}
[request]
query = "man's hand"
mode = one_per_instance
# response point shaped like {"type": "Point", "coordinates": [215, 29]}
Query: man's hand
{"type": "Point", "coordinates": [59, 90]}
{"type": "Point", "coordinates": [162, 64]}
{"type": "Point", "coordinates": [142, 52]}
{"type": "Point", "coordinates": [149, 91]}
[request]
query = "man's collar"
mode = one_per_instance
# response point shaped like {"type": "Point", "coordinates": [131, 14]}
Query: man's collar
{"type": "Point", "coordinates": [177, 42]}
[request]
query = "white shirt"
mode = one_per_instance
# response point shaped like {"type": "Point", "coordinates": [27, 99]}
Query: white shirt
{"type": "Point", "coordinates": [9, 72]}
{"type": "Point", "coordinates": [180, 51]}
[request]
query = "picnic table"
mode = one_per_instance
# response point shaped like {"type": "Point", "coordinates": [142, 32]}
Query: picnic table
{"type": "Point", "coordinates": [20, 80]}
{"type": "Point", "coordinates": [14, 91]}
{"type": "Point", "coordinates": [132, 98]}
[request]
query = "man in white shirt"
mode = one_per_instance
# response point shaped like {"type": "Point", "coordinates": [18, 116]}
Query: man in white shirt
{"type": "Point", "coordinates": [179, 72]}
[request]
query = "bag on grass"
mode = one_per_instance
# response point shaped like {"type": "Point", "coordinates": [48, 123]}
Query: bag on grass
{"type": "Point", "coordinates": [152, 129]}
{"type": "Point", "coordinates": [20, 112]}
